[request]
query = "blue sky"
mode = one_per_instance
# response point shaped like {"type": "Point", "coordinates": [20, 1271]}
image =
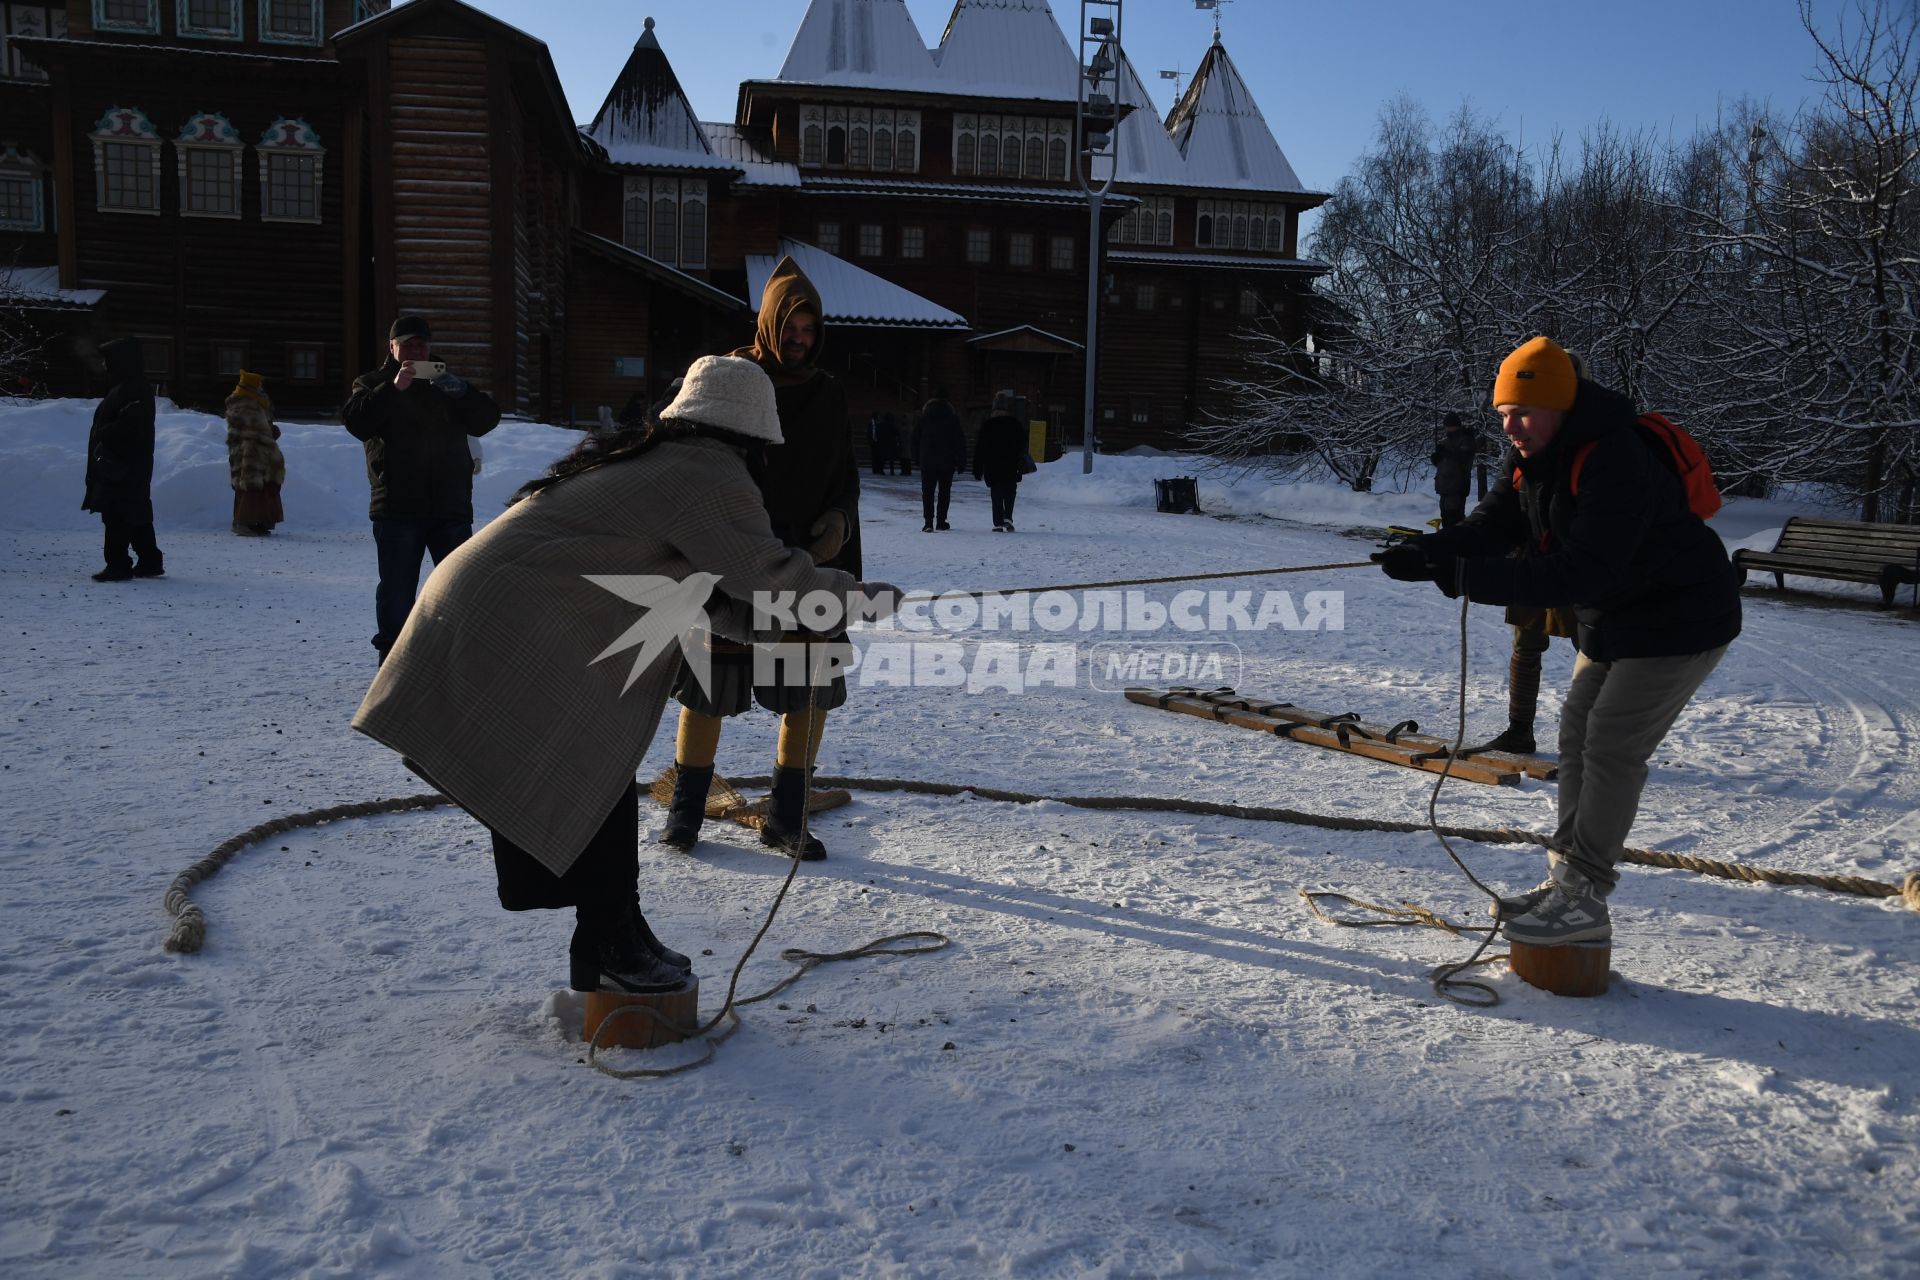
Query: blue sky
{"type": "Point", "coordinates": [1320, 71]}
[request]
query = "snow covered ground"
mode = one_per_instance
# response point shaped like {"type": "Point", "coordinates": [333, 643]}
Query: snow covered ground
{"type": "Point", "coordinates": [1141, 1056]}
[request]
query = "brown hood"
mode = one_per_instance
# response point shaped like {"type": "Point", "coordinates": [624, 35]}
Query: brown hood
{"type": "Point", "coordinates": [788, 290]}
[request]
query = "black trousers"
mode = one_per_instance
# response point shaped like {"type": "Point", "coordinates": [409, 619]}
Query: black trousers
{"type": "Point", "coordinates": [400, 542]}
{"type": "Point", "coordinates": [606, 869]}
{"type": "Point", "coordinates": [1453, 509]}
{"type": "Point", "coordinates": [1003, 496]}
{"type": "Point", "coordinates": [936, 495]}
{"type": "Point", "coordinates": [121, 534]}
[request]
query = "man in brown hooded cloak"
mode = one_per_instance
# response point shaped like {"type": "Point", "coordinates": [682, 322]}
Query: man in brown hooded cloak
{"type": "Point", "coordinates": [811, 486]}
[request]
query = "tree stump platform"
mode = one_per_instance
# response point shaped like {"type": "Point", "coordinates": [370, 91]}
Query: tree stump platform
{"type": "Point", "coordinates": [1576, 969]}
{"type": "Point", "coordinates": [666, 1017]}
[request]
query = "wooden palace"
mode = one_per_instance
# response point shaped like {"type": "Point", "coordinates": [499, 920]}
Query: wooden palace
{"type": "Point", "coordinates": [264, 184]}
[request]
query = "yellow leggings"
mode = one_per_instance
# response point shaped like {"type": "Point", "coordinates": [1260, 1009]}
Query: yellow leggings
{"type": "Point", "coordinates": [699, 739]}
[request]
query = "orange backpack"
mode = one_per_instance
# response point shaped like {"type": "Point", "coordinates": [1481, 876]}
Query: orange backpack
{"type": "Point", "coordinates": [1673, 445]}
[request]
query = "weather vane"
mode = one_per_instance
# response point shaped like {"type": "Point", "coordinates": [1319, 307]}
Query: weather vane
{"type": "Point", "coordinates": [1216, 6]}
{"type": "Point", "coordinates": [1174, 75]}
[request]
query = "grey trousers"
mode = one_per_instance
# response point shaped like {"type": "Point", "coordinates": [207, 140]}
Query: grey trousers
{"type": "Point", "coordinates": [1614, 716]}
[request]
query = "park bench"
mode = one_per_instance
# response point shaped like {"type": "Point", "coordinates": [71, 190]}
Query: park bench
{"type": "Point", "coordinates": [1884, 555]}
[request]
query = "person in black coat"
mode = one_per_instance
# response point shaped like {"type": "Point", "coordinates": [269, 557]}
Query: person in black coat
{"type": "Point", "coordinates": [1453, 470]}
{"type": "Point", "coordinates": [939, 445]}
{"type": "Point", "coordinates": [1654, 597]}
{"type": "Point", "coordinates": [414, 417]}
{"type": "Point", "coordinates": [1000, 458]}
{"type": "Point", "coordinates": [120, 466]}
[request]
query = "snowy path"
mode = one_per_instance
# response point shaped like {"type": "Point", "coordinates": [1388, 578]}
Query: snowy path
{"type": "Point", "coordinates": [1162, 1064]}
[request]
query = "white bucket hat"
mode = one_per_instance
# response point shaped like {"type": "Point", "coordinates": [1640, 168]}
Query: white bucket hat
{"type": "Point", "coordinates": [729, 393]}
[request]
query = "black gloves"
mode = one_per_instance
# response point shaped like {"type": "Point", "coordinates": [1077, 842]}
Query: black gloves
{"type": "Point", "coordinates": [1405, 562]}
{"type": "Point", "coordinates": [1420, 561]}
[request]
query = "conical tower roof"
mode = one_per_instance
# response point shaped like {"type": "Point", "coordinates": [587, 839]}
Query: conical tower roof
{"type": "Point", "coordinates": [1143, 149]}
{"type": "Point", "coordinates": [646, 118]}
{"type": "Point", "coordinates": [870, 44]}
{"type": "Point", "coordinates": [1007, 49]}
{"type": "Point", "coordinates": [1221, 133]}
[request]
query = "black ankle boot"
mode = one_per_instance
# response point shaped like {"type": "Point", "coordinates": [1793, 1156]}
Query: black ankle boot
{"type": "Point", "coordinates": [614, 950]}
{"type": "Point", "coordinates": [1514, 740]}
{"type": "Point", "coordinates": [689, 807]}
{"type": "Point", "coordinates": [782, 830]}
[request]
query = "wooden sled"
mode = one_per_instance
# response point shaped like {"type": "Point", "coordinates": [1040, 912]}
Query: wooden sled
{"type": "Point", "coordinates": [724, 800]}
{"type": "Point", "coordinates": [1400, 744]}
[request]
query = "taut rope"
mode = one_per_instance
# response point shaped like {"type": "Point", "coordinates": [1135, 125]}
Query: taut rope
{"type": "Point", "coordinates": [190, 924]}
{"type": "Point", "coordinates": [1143, 582]}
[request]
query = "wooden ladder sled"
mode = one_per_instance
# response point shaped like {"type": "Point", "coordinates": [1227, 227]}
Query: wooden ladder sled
{"type": "Point", "coordinates": [1400, 744]}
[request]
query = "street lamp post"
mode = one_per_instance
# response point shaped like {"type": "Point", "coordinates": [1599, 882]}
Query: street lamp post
{"type": "Point", "coordinates": [1096, 111]}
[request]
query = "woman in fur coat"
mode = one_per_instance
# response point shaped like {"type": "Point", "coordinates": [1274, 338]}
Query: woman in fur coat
{"type": "Point", "coordinates": [254, 461]}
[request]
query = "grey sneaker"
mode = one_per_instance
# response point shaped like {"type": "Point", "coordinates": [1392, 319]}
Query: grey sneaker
{"type": "Point", "coordinates": [1518, 904]}
{"type": "Point", "coordinates": [1565, 915]}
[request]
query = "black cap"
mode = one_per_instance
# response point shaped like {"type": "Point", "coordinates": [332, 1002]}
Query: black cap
{"type": "Point", "coordinates": [409, 327]}
{"type": "Point", "coordinates": [1451, 421]}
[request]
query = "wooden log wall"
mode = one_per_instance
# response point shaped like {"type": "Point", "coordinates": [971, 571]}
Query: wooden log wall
{"type": "Point", "coordinates": [197, 281]}
{"type": "Point", "coordinates": [441, 182]}
{"type": "Point", "coordinates": [608, 315]}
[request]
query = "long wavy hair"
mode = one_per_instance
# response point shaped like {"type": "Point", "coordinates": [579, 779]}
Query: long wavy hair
{"type": "Point", "coordinates": [629, 443]}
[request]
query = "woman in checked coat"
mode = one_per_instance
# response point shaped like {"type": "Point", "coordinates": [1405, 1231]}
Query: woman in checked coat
{"type": "Point", "coordinates": [523, 687]}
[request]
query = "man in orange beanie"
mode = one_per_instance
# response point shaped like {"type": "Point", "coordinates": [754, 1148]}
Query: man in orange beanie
{"type": "Point", "coordinates": [1654, 597]}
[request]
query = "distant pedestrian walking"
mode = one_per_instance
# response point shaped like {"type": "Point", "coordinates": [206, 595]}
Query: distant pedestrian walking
{"type": "Point", "coordinates": [940, 447]}
{"type": "Point", "coordinates": [1000, 458]}
{"type": "Point", "coordinates": [255, 465]}
{"type": "Point", "coordinates": [120, 466]}
{"type": "Point", "coordinates": [1453, 470]}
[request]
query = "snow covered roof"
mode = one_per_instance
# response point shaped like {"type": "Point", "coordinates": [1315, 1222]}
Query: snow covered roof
{"type": "Point", "coordinates": [1007, 49]}
{"type": "Point", "coordinates": [1143, 149]}
{"type": "Point", "coordinates": [1233, 262]}
{"type": "Point", "coordinates": [673, 277]}
{"type": "Point", "coordinates": [646, 118]}
{"type": "Point", "coordinates": [901, 188]}
{"type": "Point", "coordinates": [739, 149]}
{"type": "Point", "coordinates": [40, 286]}
{"type": "Point", "coordinates": [850, 295]}
{"type": "Point", "coordinates": [1219, 129]}
{"type": "Point", "coordinates": [869, 44]}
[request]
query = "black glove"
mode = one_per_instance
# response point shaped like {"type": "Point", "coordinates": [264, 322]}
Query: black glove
{"type": "Point", "coordinates": [1444, 567]}
{"type": "Point", "coordinates": [1404, 563]}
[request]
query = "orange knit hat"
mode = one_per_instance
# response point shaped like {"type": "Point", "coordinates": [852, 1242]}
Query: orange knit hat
{"type": "Point", "coordinates": [1540, 373]}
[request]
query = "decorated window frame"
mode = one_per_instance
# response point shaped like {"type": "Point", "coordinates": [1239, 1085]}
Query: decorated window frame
{"type": "Point", "coordinates": [207, 155]}
{"type": "Point", "coordinates": [191, 27]}
{"type": "Point", "coordinates": [636, 212]}
{"type": "Point", "coordinates": [274, 28]}
{"type": "Point", "coordinates": [126, 162]}
{"type": "Point", "coordinates": [116, 15]}
{"type": "Point", "coordinates": [292, 172]}
{"type": "Point", "coordinates": [27, 20]}
{"type": "Point", "coordinates": [23, 207]}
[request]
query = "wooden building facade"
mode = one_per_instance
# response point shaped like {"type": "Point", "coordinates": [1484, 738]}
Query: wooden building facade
{"type": "Point", "coordinates": [265, 184]}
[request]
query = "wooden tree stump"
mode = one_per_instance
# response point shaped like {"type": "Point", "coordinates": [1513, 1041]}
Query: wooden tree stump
{"type": "Point", "coordinates": [1576, 969]}
{"type": "Point", "coordinates": [674, 1016]}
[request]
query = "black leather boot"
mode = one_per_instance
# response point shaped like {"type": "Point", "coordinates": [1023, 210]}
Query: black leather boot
{"type": "Point", "coordinates": [689, 807]}
{"type": "Point", "coordinates": [782, 830]}
{"type": "Point", "coordinates": [614, 950]}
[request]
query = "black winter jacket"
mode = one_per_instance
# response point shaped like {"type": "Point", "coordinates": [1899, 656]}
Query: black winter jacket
{"type": "Point", "coordinates": [939, 441]}
{"type": "Point", "coordinates": [1453, 464]}
{"type": "Point", "coordinates": [999, 451]}
{"type": "Point", "coordinates": [1645, 577]}
{"type": "Point", "coordinates": [418, 466]}
{"type": "Point", "coordinates": [120, 444]}
{"type": "Point", "coordinates": [814, 469]}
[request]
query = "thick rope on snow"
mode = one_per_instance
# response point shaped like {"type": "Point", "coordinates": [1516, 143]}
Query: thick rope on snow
{"type": "Point", "coordinates": [190, 924]}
